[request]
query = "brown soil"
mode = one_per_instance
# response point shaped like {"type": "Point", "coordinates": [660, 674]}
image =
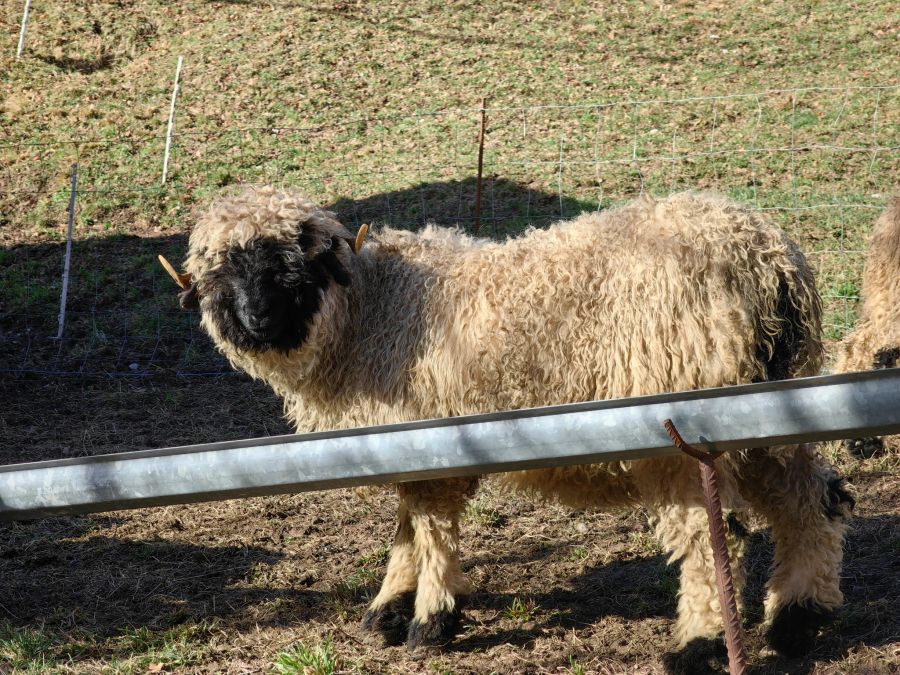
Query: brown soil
{"type": "Point", "coordinates": [251, 577]}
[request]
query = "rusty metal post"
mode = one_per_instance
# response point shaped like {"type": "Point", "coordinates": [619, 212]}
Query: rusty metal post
{"type": "Point", "coordinates": [734, 637]}
{"type": "Point", "coordinates": [480, 167]}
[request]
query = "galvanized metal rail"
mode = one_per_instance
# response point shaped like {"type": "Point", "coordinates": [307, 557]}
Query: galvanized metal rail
{"type": "Point", "coordinates": [747, 416]}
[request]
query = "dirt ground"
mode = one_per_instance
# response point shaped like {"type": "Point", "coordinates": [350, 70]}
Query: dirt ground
{"type": "Point", "coordinates": [227, 587]}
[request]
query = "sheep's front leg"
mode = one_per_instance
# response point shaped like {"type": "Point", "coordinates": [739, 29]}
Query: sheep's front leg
{"type": "Point", "coordinates": [671, 489]}
{"type": "Point", "coordinates": [684, 533]}
{"type": "Point", "coordinates": [435, 508]}
{"type": "Point", "coordinates": [391, 611]}
{"type": "Point", "coordinates": [803, 499]}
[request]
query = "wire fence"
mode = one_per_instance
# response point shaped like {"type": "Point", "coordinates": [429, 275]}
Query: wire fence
{"type": "Point", "coordinates": [821, 160]}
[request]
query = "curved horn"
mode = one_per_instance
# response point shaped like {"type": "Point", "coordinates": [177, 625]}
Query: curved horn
{"type": "Point", "coordinates": [360, 235]}
{"type": "Point", "coordinates": [183, 280]}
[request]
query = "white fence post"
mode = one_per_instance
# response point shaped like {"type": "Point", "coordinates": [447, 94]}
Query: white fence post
{"type": "Point", "coordinates": [22, 30]}
{"type": "Point", "coordinates": [65, 281]}
{"type": "Point", "coordinates": [165, 173]}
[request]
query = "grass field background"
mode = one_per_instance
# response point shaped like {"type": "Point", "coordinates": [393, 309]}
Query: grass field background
{"type": "Point", "coordinates": [374, 109]}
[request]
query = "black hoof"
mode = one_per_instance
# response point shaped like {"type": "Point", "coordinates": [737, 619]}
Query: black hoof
{"type": "Point", "coordinates": [700, 656]}
{"type": "Point", "coordinates": [392, 619]}
{"type": "Point", "coordinates": [437, 631]}
{"type": "Point", "coordinates": [795, 627]}
{"type": "Point", "coordinates": [864, 448]}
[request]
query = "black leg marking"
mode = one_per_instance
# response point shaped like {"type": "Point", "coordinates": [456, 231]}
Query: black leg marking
{"type": "Point", "coordinates": [700, 656]}
{"type": "Point", "coordinates": [736, 527]}
{"type": "Point", "coordinates": [438, 630]}
{"type": "Point", "coordinates": [888, 357]}
{"type": "Point", "coordinates": [835, 499]}
{"type": "Point", "coordinates": [391, 619]}
{"type": "Point", "coordinates": [864, 448]}
{"type": "Point", "coordinates": [795, 628]}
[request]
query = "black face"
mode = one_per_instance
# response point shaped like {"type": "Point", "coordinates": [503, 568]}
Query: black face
{"type": "Point", "coordinates": [265, 295]}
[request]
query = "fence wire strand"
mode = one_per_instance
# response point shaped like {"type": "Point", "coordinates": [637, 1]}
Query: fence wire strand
{"type": "Point", "coordinates": [821, 160]}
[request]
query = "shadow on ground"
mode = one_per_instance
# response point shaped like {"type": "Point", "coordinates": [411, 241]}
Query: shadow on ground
{"type": "Point", "coordinates": [122, 318]}
{"type": "Point", "coordinates": [637, 589]}
{"type": "Point", "coordinates": [507, 206]}
{"type": "Point", "coordinates": [51, 573]}
{"type": "Point", "coordinates": [79, 65]}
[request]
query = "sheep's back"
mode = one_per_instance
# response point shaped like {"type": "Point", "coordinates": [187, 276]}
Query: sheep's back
{"type": "Point", "coordinates": [656, 296]}
{"type": "Point", "coordinates": [881, 278]}
{"type": "Point", "coordinates": [682, 293]}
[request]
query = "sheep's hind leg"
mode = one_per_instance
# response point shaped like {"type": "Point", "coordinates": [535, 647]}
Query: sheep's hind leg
{"type": "Point", "coordinates": [435, 508]}
{"type": "Point", "coordinates": [391, 611]}
{"type": "Point", "coordinates": [804, 500]}
{"type": "Point", "coordinates": [864, 448]}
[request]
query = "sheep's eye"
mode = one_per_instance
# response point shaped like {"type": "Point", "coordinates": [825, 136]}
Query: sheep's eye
{"type": "Point", "coordinates": [291, 255]}
{"type": "Point", "coordinates": [288, 279]}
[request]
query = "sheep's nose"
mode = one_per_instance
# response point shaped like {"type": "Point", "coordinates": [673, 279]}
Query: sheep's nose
{"type": "Point", "coordinates": [259, 320]}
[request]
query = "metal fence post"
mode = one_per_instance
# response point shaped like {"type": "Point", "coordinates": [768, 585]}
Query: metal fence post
{"type": "Point", "coordinates": [65, 281]}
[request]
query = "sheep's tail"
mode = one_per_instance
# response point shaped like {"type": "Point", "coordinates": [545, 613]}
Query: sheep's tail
{"type": "Point", "coordinates": [794, 348]}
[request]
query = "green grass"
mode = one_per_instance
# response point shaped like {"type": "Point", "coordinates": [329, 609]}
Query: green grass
{"type": "Point", "coordinates": [372, 108]}
{"type": "Point", "coordinates": [644, 543]}
{"type": "Point", "coordinates": [668, 583]}
{"type": "Point", "coordinates": [134, 650]}
{"type": "Point", "coordinates": [482, 515]}
{"type": "Point", "coordinates": [319, 659]}
{"type": "Point", "coordinates": [575, 668]}
{"type": "Point", "coordinates": [520, 610]}
{"type": "Point", "coordinates": [349, 587]}
{"type": "Point", "coordinates": [24, 288]}
{"type": "Point", "coordinates": [374, 560]}
{"type": "Point", "coordinates": [139, 649]}
{"type": "Point", "coordinates": [25, 649]}
{"type": "Point", "coordinates": [576, 554]}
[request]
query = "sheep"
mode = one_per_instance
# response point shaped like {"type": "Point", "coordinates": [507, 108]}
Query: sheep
{"type": "Point", "coordinates": [875, 340]}
{"type": "Point", "coordinates": [687, 292]}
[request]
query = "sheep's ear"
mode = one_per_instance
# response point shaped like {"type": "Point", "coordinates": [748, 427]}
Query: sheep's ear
{"type": "Point", "coordinates": [343, 234]}
{"type": "Point", "coordinates": [334, 267]}
{"type": "Point", "coordinates": [322, 253]}
{"type": "Point", "coordinates": [354, 241]}
{"type": "Point", "coordinates": [313, 239]}
{"type": "Point", "coordinates": [189, 298]}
